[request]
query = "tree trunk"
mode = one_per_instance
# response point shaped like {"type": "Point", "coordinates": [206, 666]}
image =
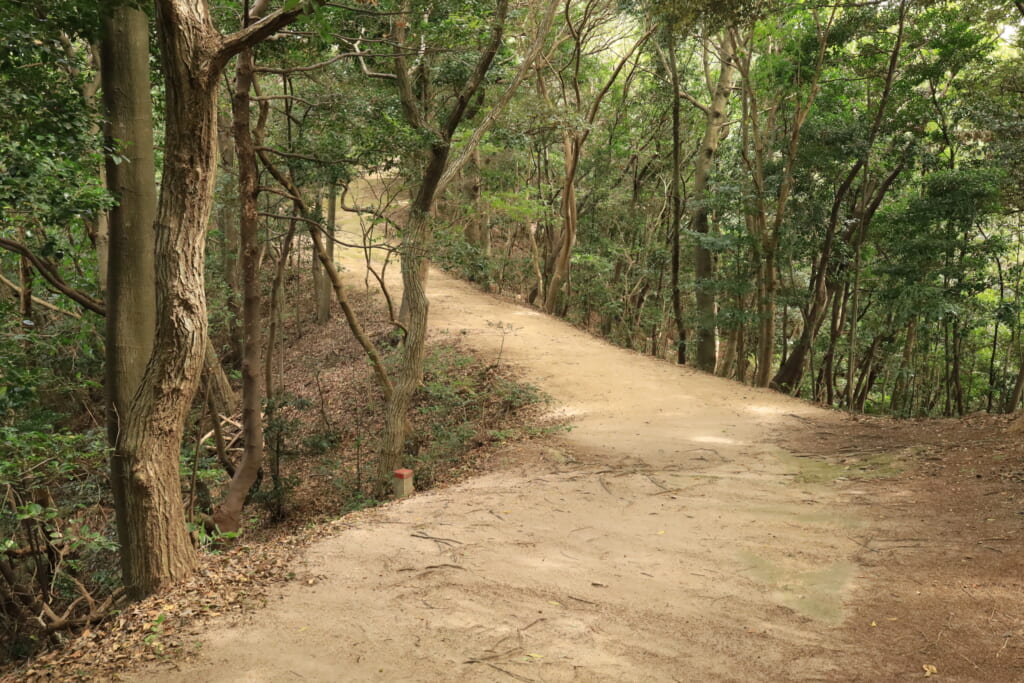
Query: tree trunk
{"type": "Point", "coordinates": [130, 290]}
{"type": "Point", "coordinates": [228, 221]}
{"type": "Point", "coordinates": [900, 404]}
{"type": "Point", "coordinates": [155, 547]}
{"type": "Point", "coordinates": [415, 246]}
{"type": "Point", "coordinates": [567, 240]}
{"type": "Point", "coordinates": [228, 516]}
{"type": "Point", "coordinates": [703, 258]}
{"type": "Point", "coordinates": [321, 281]}
{"type": "Point", "coordinates": [767, 284]}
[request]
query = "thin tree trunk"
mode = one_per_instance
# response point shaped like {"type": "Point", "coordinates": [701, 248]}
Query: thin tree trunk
{"type": "Point", "coordinates": [853, 320]}
{"type": "Point", "coordinates": [675, 226]}
{"type": "Point", "coordinates": [715, 121]}
{"type": "Point", "coordinates": [321, 280]}
{"type": "Point", "coordinates": [228, 515]}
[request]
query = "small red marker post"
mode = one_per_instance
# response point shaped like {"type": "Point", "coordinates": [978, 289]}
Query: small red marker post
{"type": "Point", "coordinates": [402, 483]}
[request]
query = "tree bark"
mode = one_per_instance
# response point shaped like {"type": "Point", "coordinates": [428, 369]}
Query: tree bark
{"type": "Point", "coordinates": [130, 244]}
{"type": "Point", "coordinates": [322, 282]}
{"type": "Point", "coordinates": [703, 259]}
{"type": "Point", "coordinates": [155, 547]}
{"type": "Point", "coordinates": [417, 237]}
{"type": "Point", "coordinates": [675, 225]}
{"type": "Point", "coordinates": [228, 515]}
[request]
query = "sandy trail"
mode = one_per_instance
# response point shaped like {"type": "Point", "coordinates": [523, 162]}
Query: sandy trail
{"type": "Point", "coordinates": [663, 538]}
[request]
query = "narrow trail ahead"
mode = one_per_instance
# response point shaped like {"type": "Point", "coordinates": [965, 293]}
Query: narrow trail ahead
{"type": "Point", "coordinates": [663, 538]}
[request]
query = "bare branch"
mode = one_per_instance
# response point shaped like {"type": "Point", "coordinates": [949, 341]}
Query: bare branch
{"type": "Point", "coordinates": [41, 302]}
{"type": "Point", "coordinates": [50, 274]}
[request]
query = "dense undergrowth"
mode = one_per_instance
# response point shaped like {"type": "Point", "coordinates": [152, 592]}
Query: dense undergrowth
{"type": "Point", "coordinates": [59, 573]}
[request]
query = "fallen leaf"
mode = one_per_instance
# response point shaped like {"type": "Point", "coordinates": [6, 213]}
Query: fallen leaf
{"type": "Point", "coordinates": [929, 669]}
{"type": "Point", "coordinates": [556, 604]}
{"type": "Point", "coordinates": [873, 623]}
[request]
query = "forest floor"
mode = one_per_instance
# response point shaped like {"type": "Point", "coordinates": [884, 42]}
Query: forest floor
{"type": "Point", "coordinates": [687, 528]}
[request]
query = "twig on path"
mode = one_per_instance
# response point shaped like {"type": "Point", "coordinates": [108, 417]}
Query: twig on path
{"type": "Point", "coordinates": [532, 624]}
{"type": "Point", "coordinates": [657, 483]}
{"type": "Point", "coordinates": [509, 673]}
{"type": "Point", "coordinates": [863, 545]}
{"type": "Point", "coordinates": [589, 602]}
{"type": "Point", "coordinates": [497, 655]}
{"type": "Point", "coordinates": [449, 541]}
{"type": "Point", "coordinates": [433, 566]}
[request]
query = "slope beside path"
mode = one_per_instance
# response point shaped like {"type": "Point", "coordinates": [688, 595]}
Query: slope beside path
{"type": "Point", "coordinates": [663, 538]}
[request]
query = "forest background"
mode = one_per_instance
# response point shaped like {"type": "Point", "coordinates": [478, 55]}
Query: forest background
{"type": "Point", "coordinates": [819, 198]}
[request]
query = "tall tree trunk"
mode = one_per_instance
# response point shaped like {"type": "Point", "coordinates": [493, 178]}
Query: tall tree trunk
{"type": "Point", "coordinates": [131, 294]}
{"type": "Point", "coordinates": [1018, 389]}
{"type": "Point", "coordinates": [853, 320]}
{"type": "Point", "coordinates": [567, 239]}
{"type": "Point", "coordinates": [228, 221]}
{"type": "Point", "coordinates": [767, 283]}
{"type": "Point", "coordinates": [155, 546]}
{"type": "Point", "coordinates": [901, 393]}
{"type": "Point", "coordinates": [675, 226]}
{"type": "Point", "coordinates": [415, 246]}
{"type": "Point", "coordinates": [228, 516]}
{"type": "Point", "coordinates": [703, 259]}
{"type": "Point", "coordinates": [321, 279]}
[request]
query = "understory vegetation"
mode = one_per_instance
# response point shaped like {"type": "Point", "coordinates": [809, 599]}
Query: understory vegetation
{"type": "Point", "coordinates": [59, 549]}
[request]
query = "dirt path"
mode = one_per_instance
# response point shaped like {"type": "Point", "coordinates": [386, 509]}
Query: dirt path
{"type": "Point", "coordinates": [663, 538]}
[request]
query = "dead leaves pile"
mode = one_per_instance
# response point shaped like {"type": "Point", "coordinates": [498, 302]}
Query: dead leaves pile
{"type": "Point", "coordinates": [162, 627]}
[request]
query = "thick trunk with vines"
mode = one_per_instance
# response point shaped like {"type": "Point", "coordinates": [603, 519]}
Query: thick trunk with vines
{"type": "Point", "coordinates": [156, 548]}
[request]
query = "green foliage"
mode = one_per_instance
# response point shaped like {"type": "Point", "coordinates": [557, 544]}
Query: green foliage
{"type": "Point", "coordinates": [55, 534]}
{"type": "Point", "coordinates": [459, 397]}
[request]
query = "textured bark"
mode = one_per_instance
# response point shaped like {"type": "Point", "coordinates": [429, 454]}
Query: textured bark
{"type": "Point", "coordinates": [677, 212]}
{"type": "Point", "coordinates": [228, 515]}
{"type": "Point", "coordinates": [417, 237]}
{"type": "Point", "coordinates": [155, 547]}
